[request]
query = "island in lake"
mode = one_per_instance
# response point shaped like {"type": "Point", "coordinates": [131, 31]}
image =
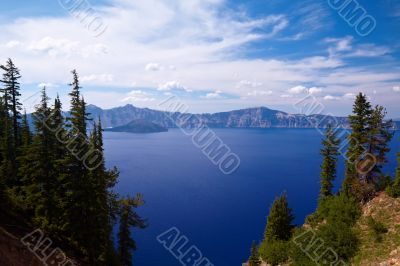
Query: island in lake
{"type": "Point", "coordinates": [139, 126]}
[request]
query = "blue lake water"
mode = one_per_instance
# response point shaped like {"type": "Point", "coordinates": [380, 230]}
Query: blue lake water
{"type": "Point", "coordinates": [220, 214]}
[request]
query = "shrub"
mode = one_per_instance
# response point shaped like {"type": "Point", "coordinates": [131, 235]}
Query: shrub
{"type": "Point", "coordinates": [297, 256]}
{"type": "Point", "coordinates": [339, 208]}
{"type": "Point", "coordinates": [394, 189]}
{"type": "Point", "coordinates": [362, 191]}
{"type": "Point", "coordinates": [341, 238]}
{"type": "Point", "coordinates": [377, 228]}
{"type": "Point", "coordinates": [275, 252]}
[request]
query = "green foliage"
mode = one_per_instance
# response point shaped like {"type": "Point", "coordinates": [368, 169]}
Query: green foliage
{"type": "Point", "coordinates": [368, 146]}
{"type": "Point", "coordinates": [279, 221]}
{"type": "Point", "coordinates": [340, 237]}
{"type": "Point", "coordinates": [330, 155]}
{"type": "Point", "coordinates": [128, 218]}
{"type": "Point", "coordinates": [340, 208]}
{"type": "Point", "coordinates": [275, 252]}
{"type": "Point", "coordinates": [394, 189]}
{"type": "Point", "coordinates": [297, 255]}
{"type": "Point", "coordinates": [278, 231]}
{"type": "Point", "coordinates": [377, 228]}
{"type": "Point", "coordinates": [254, 259]}
{"type": "Point", "coordinates": [47, 176]}
{"type": "Point", "coordinates": [357, 140]}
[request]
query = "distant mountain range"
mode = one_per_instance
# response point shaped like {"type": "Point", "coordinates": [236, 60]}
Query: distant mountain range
{"type": "Point", "coordinates": [260, 117]}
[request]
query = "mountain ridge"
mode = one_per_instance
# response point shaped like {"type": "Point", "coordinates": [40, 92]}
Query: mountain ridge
{"type": "Point", "coordinates": [256, 117]}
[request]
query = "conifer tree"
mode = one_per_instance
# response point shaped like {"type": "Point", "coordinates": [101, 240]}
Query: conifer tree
{"type": "Point", "coordinates": [279, 222]}
{"type": "Point", "coordinates": [11, 107]}
{"type": "Point", "coordinates": [330, 157]}
{"type": "Point", "coordinates": [128, 218]}
{"type": "Point", "coordinates": [38, 170]}
{"type": "Point", "coordinates": [274, 248]}
{"type": "Point", "coordinates": [380, 134]}
{"type": "Point", "coordinates": [78, 210]}
{"type": "Point", "coordinates": [358, 139]}
{"type": "Point", "coordinates": [102, 180]}
{"type": "Point", "coordinates": [12, 87]}
{"type": "Point", "coordinates": [26, 135]}
{"type": "Point", "coordinates": [254, 259]}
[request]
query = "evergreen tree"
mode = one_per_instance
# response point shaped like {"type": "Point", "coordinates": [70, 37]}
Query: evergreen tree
{"type": "Point", "coordinates": [38, 170]}
{"type": "Point", "coordinates": [128, 218]}
{"type": "Point", "coordinates": [10, 113]}
{"type": "Point", "coordinates": [358, 140]}
{"type": "Point", "coordinates": [2, 131]}
{"type": "Point", "coordinates": [78, 210]}
{"type": "Point", "coordinates": [12, 87]}
{"type": "Point", "coordinates": [380, 134]}
{"type": "Point", "coordinates": [394, 189]}
{"type": "Point", "coordinates": [330, 157]}
{"type": "Point", "coordinates": [26, 135]}
{"type": "Point", "coordinates": [102, 180]}
{"type": "Point", "coordinates": [279, 222]}
{"type": "Point", "coordinates": [254, 259]}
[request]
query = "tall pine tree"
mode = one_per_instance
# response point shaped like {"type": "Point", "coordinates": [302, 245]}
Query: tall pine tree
{"type": "Point", "coordinates": [128, 218]}
{"type": "Point", "coordinates": [330, 155]}
{"type": "Point", "coordinates": [380, 134]}
{"type": "Point", "coordinates": [12, 87]}
{"type": "Point", "coordinates": [11, 105]}
{"type": "Point", "coordinates": [358, 139]}
{"type": "Point", "coordinates": [279, 222]}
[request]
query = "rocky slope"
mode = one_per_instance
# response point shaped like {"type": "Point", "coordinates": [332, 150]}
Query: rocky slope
{"type": "Point", "coordinates": [386, 252]}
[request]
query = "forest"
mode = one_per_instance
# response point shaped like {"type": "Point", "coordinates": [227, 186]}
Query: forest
{"type": "Point", "coordinates": [53, 176]}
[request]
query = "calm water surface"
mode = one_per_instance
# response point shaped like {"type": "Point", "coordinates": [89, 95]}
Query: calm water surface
{"type": "Point", "coordinates": [220, 214]}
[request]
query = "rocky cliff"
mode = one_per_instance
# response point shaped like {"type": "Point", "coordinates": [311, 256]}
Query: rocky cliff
{"type": "Point", "coordinates": [260, 117]}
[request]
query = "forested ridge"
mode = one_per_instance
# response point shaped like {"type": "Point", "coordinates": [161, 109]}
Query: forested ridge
{"type": "Point", "coordinates": [53, 176]}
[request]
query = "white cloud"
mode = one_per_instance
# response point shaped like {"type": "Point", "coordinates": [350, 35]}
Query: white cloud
{"type": "Point", "coordinates": [213, 95]}
{"type": "Point", "coordinates": [331, 98]}
{"type": "Point", "coordinates": [47, 85]}
{"type": "Point", "coordinates": [93, 78]}
{"type": "Point", "coordinates": [340, 44]}
{"type": "Point", "coordinates": [172, 85]}
{"type": "Point", "coordinates": [203, 41]}
{"type": "Point", "coordinates": [314, 90]}
{"type": "Point", "coordinates": [248, 83]}
{"type": "Point", "coordinates": [259, 93]}
{"type": "Point", "coordinates": [138, 96]}
{"type": "Point", "coordinates": [54, 46]}
{"type": "Point", "coordinates": [298, 90]}
{"type": "Point", "coordinates": [349, 96]}
{"type": "Point", "coordinates": [12, 44]}
{"type": "Point", "coordinates": [369, 50]}
{"type": "Point", "coordinates": [153, 67]}
{"type": "Point", "coordinates": [396, 88]}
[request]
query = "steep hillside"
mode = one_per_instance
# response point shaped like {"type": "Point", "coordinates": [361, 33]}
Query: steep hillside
{"type": "Point", "coordinates": [385, 210]}
{"type": "Point", "coordinates": [14, 253]}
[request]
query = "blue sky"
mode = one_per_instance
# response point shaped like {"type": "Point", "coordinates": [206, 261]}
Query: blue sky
{"type": "Point", "coordinates": [216, 55]}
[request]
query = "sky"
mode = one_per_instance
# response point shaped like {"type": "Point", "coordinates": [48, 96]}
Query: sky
{"type": "Point", "coordinates": [215, 55]}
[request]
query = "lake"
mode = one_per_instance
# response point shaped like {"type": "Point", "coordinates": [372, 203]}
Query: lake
{"type": "Point", "coordinates": [219, 214]}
